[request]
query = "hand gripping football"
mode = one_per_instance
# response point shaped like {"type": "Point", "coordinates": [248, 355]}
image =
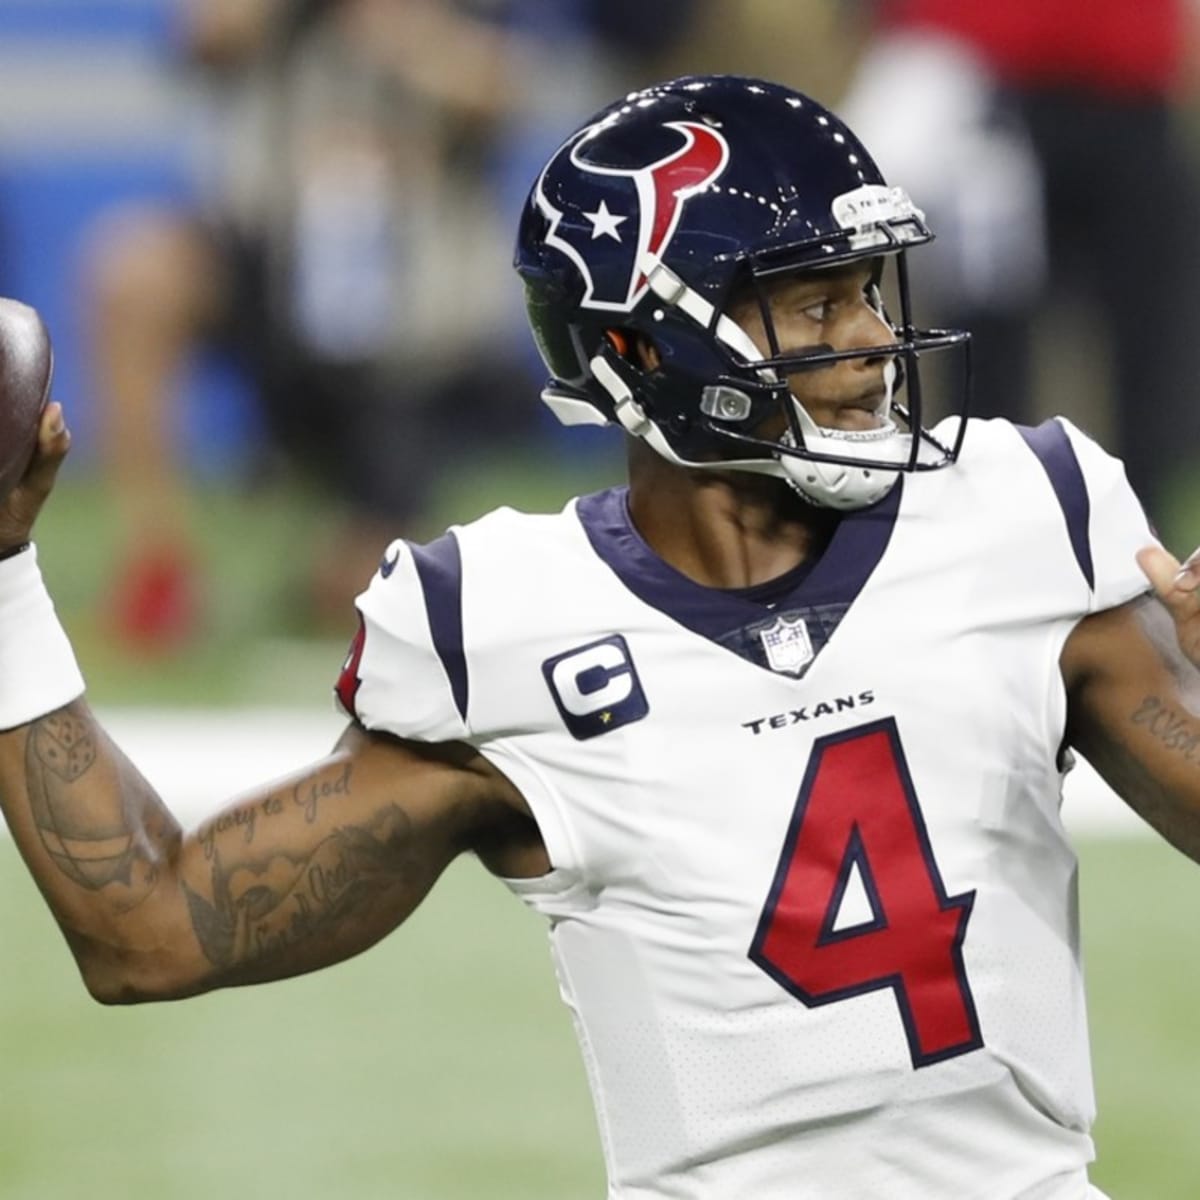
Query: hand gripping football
{"type": "Point", "coordinates": [26, 367]}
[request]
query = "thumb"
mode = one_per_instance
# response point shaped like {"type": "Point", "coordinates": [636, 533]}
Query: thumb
{"type": "Point", "coordinates": [19, 509]}
{"type": "Point", "coordinates": [54, 440]}
{"type": "Point", "coordinates": [1175, 585]}
{"type": "Point", "coordinates": [1160, 567]}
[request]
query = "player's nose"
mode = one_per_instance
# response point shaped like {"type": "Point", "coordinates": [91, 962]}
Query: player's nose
{"type": "Point", "coordinates": [866, 330]}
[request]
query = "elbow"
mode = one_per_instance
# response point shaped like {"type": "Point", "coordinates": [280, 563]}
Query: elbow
{"type": "Point", "coordinates": [112, 984]}
{"type": "Point", "coordinates": [112, 988]}
{"type": "Point", "coordinates": [121, 977]}
{"type": "Point", "coordinates": [110, 992]}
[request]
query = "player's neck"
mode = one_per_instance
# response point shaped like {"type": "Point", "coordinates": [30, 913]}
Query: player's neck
{"type": "Point", "coordinates": [723, 529]}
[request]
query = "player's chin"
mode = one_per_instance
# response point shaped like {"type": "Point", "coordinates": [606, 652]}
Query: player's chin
{"type": "Point", "coordinates": [855, 420]}
{"type": "Point", "coordinates": [848, 418]}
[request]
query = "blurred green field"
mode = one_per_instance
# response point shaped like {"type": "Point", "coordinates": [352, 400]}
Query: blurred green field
{"type": "Point", "coordinates": [441, 1066]}
{"type": "Point", "coordinates": [254, 546]}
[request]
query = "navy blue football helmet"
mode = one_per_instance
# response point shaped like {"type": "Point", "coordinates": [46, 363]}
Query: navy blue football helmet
{"type": "Point", "coordinates": [649, 219]}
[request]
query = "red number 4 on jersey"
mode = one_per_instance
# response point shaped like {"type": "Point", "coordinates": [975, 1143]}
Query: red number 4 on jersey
{"type": "Point", "coordinates": [857, 812]}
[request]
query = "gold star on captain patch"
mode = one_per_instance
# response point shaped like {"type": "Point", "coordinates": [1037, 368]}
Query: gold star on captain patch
{"type": "Point", "coordinates": [606, 716]}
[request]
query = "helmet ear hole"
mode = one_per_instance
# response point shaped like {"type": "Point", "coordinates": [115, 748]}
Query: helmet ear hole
{"type": "Point", "coordinates": [634, 348]}
{"type": "Point", "coordinates": [619, 341]}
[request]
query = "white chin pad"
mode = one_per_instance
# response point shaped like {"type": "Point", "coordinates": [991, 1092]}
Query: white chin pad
{"type": "Point", "coordinates": [833, 485]}
{"type": "Point", "coordinates": [838, 485]}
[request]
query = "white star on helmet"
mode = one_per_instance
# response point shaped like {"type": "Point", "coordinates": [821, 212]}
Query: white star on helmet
{"type": "Point", "coordinates": [604, 223]}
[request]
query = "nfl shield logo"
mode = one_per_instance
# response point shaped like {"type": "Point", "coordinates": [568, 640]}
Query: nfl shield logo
{"type": "Point", "coordinates": [787, 644]}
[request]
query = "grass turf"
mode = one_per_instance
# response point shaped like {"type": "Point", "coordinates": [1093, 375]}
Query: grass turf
{"type": "Point", "coordinates": [440, 1065]}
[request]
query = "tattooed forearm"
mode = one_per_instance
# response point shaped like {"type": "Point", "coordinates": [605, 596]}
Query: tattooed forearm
{"type": "Point", "coordinates": [60, 750]}
{"type": "Point", "coordinates": [294, 877]}
{"type": "Point", "coordinates": [98, 821]}
{"type": "Point", "coordinates": [1144, 789]}
{"type": "Point", "coordinates": [1172, 727]}
{"type": "Point", "coordinates": [65, 744]}
{"type": "Point", "coordinates": [93, 850]}
{"type": "Point", "coordinates": [262, 908]}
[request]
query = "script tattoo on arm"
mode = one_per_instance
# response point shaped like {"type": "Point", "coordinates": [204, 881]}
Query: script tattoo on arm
{"type": "Point", "coordinates": [308, 873]}
{"type": "Point", "coordinates": [1170, 726]}
{"type": "Point", "coordinates": [304, 873]}
{"type": "Point", "coordinates": [1177, 733]}
{"type": "Point", "coordinates": [1134, 713]}
{"type": "Point", "coordinates": [266, 906]}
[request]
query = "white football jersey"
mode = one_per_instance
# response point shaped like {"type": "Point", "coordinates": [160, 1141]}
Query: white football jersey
{"type": "Point", "coordinates": [812, 905]}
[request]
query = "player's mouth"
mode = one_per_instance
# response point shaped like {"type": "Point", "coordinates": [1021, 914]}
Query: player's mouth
{"type": "Point", "coordinates": [866, 411]}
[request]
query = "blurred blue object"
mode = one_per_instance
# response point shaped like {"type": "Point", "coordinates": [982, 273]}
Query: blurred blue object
{"type": "Point", "coordinates": [149, 19]}
{"type": "Point", "coordinates": [90, 118]}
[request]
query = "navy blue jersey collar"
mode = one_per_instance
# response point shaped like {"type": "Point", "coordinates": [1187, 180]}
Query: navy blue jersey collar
{"type": "Point", "coordinates": [821, 592]}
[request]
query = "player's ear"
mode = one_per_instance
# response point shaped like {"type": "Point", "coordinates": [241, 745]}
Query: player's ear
{"type": "Point", "coordinates": [634, 348]}
{"type": "Point", "coordinates": [647, 354]}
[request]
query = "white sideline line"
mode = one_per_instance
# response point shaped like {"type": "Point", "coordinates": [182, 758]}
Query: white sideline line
{"type": "Point", "coordinates": [199, 758]}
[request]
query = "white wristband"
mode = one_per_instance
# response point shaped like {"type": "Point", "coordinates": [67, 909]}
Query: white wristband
{"type": "Point", "coordinates": [38, 671]}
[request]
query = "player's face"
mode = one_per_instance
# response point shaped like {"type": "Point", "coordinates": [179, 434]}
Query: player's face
{"type": "Point", "coordinates": [828, 310]}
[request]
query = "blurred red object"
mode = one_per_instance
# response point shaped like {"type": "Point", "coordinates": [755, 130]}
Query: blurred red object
{"type": "Point", "coordinates": [1111, 45]}
{"type": "Point", "coordinates": [155, 603]}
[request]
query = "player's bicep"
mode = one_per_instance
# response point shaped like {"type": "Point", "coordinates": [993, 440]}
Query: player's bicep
{"type": "Point", "coordinates": [320, 865]}
{"type": "Point", "coordinates": [1134, 713]}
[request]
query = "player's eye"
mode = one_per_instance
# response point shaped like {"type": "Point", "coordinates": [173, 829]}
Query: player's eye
{"type": "Point", "coordinates": [820, 311]}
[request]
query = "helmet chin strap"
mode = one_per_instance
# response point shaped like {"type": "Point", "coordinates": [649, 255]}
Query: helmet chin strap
{"type": "Point", "coordinates": [838, 485]}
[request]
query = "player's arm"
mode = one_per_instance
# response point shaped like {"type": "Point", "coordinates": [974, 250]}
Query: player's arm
{"type": "Point", "coordinates": [302, 873]}
{"type": "Point", "coordinates": [1133, 684]}
{"type": "Point", "coordinates": [299, 874]}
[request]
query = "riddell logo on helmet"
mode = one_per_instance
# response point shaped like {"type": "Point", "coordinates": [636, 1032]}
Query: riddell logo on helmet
{"type": "Point", "coordinates": [632, 213]}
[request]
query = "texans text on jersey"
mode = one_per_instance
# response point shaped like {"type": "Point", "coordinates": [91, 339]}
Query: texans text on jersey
{"type": "Point", "coordinates": [810, 712]}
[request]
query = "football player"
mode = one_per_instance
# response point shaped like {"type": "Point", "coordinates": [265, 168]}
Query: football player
{"type": "Point", "coordinates": [774, 736]}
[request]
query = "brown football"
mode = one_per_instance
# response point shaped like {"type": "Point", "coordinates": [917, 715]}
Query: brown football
{"type": "Point", "coordinates": [26, 366]}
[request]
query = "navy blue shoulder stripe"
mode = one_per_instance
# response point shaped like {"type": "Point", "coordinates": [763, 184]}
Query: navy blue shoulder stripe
{"type": "Point", "coordinates": [1049, 441]}
{"type": "Point", "coordinates": [439, 568]}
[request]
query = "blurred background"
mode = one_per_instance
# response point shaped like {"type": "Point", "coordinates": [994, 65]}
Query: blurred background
{"type": "Point", "coordinates": [271, 239]}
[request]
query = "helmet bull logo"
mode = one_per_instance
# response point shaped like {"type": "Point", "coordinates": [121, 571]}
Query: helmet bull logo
{"type": "Point", "coordinates": [632, 214]}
